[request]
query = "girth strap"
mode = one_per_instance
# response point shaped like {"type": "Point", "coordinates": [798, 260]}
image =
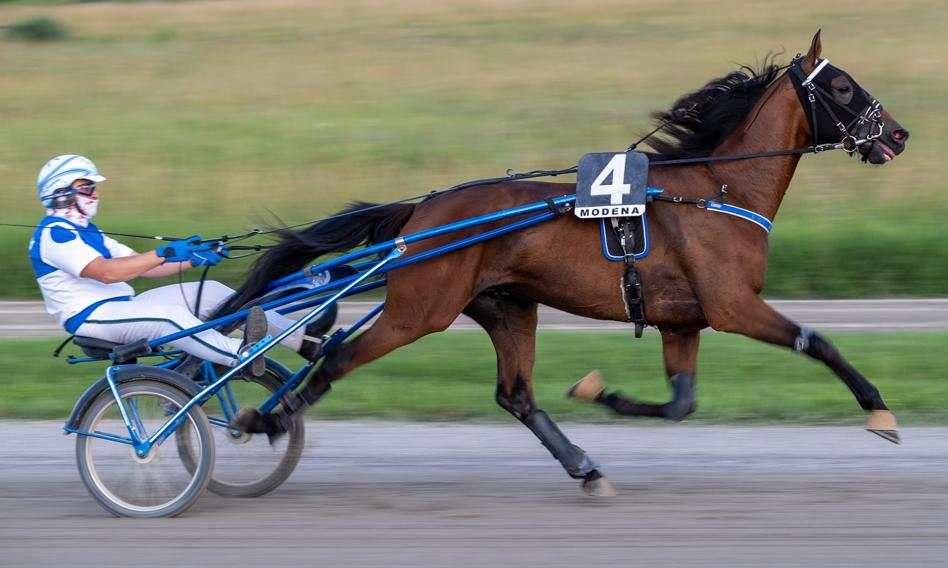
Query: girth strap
{"type": "Point", "coordinates": [632, 283]}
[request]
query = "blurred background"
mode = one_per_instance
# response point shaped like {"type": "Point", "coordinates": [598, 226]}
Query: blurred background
{"type": "Point", "coordinates": [218, 116]}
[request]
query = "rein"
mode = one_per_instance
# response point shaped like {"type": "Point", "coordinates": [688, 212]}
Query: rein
{"type": "Point", "coordinates": [871, 113]}
{"type": "Point", "coordinates": [515, 176]}
{"type": "Point", "coordinates": [849, 143]}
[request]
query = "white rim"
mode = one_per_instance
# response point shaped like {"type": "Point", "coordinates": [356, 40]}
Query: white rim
{"type": "Point", "coordinates": [103, 488]}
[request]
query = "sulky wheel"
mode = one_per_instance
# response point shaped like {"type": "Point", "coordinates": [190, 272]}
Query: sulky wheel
{"type": "Point", "coordinates": [158, 484]}
{"type": "Point", "coordinates": [247, 465]}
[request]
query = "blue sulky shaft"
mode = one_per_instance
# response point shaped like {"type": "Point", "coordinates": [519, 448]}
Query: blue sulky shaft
{"type": "Point", "coordinates": [315, 302]}
{"type": "Point", "coordinates": [474, 239]}
{"type": "Point", "coordinates": [422, 235]}
{"type": "Point", "coordinates": [516, 226]}
{"type": "Point", "coordinates": [382, 247]}
{"type": "Point", "coordinates": [303, 276]}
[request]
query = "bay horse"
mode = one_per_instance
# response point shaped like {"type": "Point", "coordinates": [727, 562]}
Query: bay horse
{"type": "Point", "coordinates": [702, 269]}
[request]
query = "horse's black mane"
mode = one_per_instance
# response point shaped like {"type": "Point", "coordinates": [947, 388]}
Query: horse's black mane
{"type": "Point", "coordinates": [699, 121]}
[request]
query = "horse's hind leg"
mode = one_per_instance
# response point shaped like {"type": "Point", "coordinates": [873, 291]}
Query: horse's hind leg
{"type": "Point", "coordinates": [511, 323]}
{"type": "Point", "coordinates": [753, 317]}
{"type": "Point", "coordinates": [680, 351]}
{"type": "Point", "coordinates": [389, 332]}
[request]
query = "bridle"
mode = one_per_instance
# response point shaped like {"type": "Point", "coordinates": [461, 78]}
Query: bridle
{"type": "Point", "coordinates": [812, 92]}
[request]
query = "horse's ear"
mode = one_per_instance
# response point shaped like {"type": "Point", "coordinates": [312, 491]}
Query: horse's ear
{"type": "Point", "coordinates": [813, 55]}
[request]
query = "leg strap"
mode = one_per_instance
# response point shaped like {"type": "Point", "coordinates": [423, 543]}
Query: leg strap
{"type": "Point", "coordinates": [678, 408]}
{"type": "Point", "coordinates": [683, 397]}
{"type": "Point", "coordinates": [574, 460]}
{"type": "Point", "coordinates": [814, 345]}
{"type": "Point", "coordinates": [630, 407]}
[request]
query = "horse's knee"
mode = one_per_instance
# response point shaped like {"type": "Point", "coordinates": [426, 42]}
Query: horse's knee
{"type": "Point", "coordinates": [519, 403]}
{"type": "Point", "coordinates": [517, 408]}
{"type": "Point", "coordinates": [816, 346]}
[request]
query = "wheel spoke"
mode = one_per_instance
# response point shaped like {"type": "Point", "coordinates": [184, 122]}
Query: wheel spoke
{"type": "Point", "coordinates": [157, 484]}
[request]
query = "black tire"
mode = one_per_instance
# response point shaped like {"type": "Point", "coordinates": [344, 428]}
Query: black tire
{"type": "Point", "coordinates": [246, 464]}
{"type": "Point", "coordinates": [158, 486]}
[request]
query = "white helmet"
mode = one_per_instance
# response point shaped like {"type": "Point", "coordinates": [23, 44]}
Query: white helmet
{"type": "Point", "coordinates": [57, 175]}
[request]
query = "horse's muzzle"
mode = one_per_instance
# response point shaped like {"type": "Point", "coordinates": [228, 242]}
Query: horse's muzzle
{"type": "Point", "coordinates": [889, 144]}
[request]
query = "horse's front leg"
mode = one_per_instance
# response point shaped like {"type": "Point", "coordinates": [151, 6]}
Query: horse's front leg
{"type": "Point", "coordinates": [751, 316]}
{"type": "Point", "coordinates": [680, 351]}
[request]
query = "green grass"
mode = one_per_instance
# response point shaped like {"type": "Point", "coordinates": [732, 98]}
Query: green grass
{"type": "Point", "coordinates": [207, 116]}
{"type": "Point", "coordinates": [451, 377]}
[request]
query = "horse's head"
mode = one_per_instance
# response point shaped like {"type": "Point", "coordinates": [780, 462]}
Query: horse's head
{"type": "Point", "coordinates": [840, 111]}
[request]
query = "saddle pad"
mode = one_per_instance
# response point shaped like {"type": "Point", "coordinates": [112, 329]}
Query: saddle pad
{"type": "Point", "coordinates": [612, 250]}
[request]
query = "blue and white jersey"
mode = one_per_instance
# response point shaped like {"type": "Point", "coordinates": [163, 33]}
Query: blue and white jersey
{"type": "Point", "coordinates": [59, 251]}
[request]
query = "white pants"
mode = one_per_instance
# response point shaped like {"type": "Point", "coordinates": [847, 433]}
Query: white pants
{"type": "Point", "coordinates": [168, 310]}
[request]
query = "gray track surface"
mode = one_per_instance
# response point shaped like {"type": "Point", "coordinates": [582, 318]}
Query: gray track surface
{"type": "Point", "coordinates": [29, 319]}
{"type": "Point", "coordinates": [374, 494]}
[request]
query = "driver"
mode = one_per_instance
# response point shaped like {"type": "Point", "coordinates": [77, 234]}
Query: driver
{"type": "Point", "coordinates": [83, 275]}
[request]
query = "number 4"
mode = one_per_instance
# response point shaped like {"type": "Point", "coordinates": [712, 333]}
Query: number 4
{"type": "Point", "coordinates": [616, 189]}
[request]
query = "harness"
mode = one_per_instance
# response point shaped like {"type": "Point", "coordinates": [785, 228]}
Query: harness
{"type": "Point", "coordinates": [631, 281]}
{"type": "Point", "coordinates": [810, 93]}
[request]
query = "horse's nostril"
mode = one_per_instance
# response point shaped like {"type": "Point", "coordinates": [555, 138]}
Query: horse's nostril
{"type": "Point", "coordinates": [899, 134]}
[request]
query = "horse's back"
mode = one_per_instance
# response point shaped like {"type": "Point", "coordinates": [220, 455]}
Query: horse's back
{"type": "Point", "coordinates": [556, 262]}
{"type": "Point", "coordinates": [560, 262]}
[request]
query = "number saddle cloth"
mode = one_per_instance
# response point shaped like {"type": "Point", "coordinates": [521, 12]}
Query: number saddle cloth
{"type": "Point", "coordinates": [613, 185]}
{"type": "Point", "coordinates": [612, 248]}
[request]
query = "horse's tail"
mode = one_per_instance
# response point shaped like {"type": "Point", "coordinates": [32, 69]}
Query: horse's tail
{"type": "Point", "coordinates": [359, 223]}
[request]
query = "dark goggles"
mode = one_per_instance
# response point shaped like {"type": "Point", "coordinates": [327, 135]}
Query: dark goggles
{"type": "Point", "coordinates": [87, 189]}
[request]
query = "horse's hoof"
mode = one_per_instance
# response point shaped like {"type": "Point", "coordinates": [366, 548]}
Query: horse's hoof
{"type": "Point", "coordinates": [597, 485]}
{"type": "Point", "coordinates": [883, 424]}
{"type": "Point", "coordinates": [587, 388]}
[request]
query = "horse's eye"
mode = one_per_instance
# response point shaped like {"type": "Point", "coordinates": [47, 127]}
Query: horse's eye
{"type": "Point", "coordinates": [844, 89]}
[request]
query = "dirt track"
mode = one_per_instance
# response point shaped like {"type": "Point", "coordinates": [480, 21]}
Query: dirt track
{"type": "Point", "coordinates": [382, 494]}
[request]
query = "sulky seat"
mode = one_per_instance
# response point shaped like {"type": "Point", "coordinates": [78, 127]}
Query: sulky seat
{"type": "Point", "coordinates": [92, 347]}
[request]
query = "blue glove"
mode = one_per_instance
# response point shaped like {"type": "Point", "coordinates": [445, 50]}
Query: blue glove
{"type": "Point", "coordinates": [180, 251]}
{"type": "Point", "coordinates": [209, 257]}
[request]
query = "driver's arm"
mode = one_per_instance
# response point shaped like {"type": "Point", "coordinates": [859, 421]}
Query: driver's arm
{"type": "Point", "coordinates": [112, 270]}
